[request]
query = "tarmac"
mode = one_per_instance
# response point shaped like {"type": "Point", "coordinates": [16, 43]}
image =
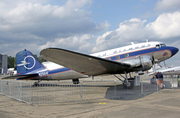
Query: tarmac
{"type": "Point", "coordinates": [164, 104]}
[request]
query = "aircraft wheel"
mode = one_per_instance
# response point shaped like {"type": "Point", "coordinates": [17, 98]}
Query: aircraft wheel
{"type": "Point", "coordinates": [36, 83]}
{"type": "Point", "coordinates": [129, 84]}
{"type": "Point", "coordinates": [75, 81]}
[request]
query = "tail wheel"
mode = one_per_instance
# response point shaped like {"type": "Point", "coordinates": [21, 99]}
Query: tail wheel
{"type": "Point", "coordinates": [36, 83]}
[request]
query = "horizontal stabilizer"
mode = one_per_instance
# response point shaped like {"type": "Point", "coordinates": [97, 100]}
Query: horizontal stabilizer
{"type": "Point", "coordinates": [19, 77]}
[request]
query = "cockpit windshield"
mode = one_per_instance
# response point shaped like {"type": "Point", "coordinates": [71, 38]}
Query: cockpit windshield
{"type": "Point", "coordinates": [160, 45]}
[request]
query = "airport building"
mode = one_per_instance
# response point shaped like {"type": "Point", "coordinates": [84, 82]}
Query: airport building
{"type": "Point", "coordinates": [3, 64]}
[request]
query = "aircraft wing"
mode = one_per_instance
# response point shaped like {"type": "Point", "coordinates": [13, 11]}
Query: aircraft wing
{"type": "Point", "coordinates": [168, 71]}
{"type": "Point", "coordinates": [82, 63]}
{"type": "Point", "coordinates": [171, 71]}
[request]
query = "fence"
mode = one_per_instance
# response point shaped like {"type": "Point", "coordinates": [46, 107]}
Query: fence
{"type": "Point", "coordinates": [58, 92]}
{"type": "Point", "coordinates": [17, 90]}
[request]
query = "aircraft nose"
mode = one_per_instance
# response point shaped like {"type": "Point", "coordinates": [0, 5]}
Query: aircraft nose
{"type": "Point", "coordinates": [174, 50]}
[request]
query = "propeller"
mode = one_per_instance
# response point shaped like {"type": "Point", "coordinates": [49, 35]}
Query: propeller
{"type": "Point", "coordinates": [152, 58]}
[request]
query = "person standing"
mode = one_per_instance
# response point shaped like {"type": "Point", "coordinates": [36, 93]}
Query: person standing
{"type": "Point", "coordinates": [159, 76]}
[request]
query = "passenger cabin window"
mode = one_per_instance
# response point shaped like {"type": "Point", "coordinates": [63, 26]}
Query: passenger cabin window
{"type": "Point", "coordinates": [108, 58]}
{"type": "Point", "coordinates": [126, 55]}
{"type": "Point", "coordinates": [117, 57]}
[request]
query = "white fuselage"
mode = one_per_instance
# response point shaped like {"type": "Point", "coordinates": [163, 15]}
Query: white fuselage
{"type": "Point", "coordinates": [157, 49]}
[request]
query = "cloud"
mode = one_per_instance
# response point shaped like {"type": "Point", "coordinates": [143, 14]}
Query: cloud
{"type": "Point", "coordinates": [79, 43]}
{"type": "Point", "coordinates": [165, 27]}
{"type": "Point", "coordinates": [36, 26]}
{"type": "Point", "coordinates": [168, 5]}
{"type": "Point", "coordinates": [26, 22]}
{"type": "Point", "coordinates": [128, 31]}
{"type": "Point", "coordinates": [50, 21]}
{"type": "Point", "coordinates": [47, 20]}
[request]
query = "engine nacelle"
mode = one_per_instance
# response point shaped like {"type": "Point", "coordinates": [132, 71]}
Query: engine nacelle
{"type": "Point", "coordinates": [139, 63]}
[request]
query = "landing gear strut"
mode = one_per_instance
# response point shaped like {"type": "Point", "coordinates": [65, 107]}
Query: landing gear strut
{"type": "Point", "coordinates": [36, 83]}
{"type": "Point", "coordinates": [128, 83]}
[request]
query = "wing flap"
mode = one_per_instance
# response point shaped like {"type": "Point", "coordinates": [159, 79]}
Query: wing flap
{"type": "Point", "coordinates": [82, 63]}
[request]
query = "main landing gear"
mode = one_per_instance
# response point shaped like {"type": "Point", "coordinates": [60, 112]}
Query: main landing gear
{"type": "Point", "coordinates": [75, 81]}
{"type": "Point", "coordinates": [128, 83]}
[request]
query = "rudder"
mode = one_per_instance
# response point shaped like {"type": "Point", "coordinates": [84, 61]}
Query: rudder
{"type": "Point", "coordinates": [26, 62]}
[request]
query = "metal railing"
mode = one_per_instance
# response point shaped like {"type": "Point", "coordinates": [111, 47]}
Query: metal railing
{"type": "Point", "coordinates": [17, 90]}
{"type": "Point", "coordinates": [60, 92]}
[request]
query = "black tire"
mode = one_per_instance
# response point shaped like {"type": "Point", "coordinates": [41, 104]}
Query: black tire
{"type": "Point", "coordinates": [75, 81]}
{"type": "Point", "coordinates": [130, 84]}
{"type": "Point", "coordinates": [36, 83]}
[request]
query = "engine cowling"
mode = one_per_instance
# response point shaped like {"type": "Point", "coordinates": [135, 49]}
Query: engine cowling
{"type": "Point", "coordinates": [139, 63]}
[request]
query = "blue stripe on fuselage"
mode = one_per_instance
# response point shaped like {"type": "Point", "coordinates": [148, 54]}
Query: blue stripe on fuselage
{"type": "Point", "coordinates": [59, 70]}
{"type": "Point", "coordinates": [140, 52]}
{"type": "Point", "coordinates": [50, 72]}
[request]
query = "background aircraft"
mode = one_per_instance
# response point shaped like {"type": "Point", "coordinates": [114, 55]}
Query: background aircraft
{"type": "Point", "coordinates": [167, 71]}
{"type": "Point", "coordinates": [135, 57]}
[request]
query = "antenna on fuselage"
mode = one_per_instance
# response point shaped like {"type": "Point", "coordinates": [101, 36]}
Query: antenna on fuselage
{"type": "Point", "coordinates": [146, 40]}
{"type": "Point", "coordinates": [132, 43]}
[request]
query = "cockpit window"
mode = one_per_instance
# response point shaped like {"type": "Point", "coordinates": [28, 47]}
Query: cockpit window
{"type": "Point", "coordinates": [160, 45]}
{"type": "Point", "coordinates": [157, 46]}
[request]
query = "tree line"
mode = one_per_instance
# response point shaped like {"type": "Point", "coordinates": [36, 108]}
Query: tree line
{"type": "Point", "coordinates": [12, 61]}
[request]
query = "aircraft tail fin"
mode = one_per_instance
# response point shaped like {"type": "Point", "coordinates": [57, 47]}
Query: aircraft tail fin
{"type": "Point", "coordinates": [26, 62]}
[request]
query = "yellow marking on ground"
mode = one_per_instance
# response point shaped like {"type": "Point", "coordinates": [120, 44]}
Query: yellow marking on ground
{"type": "Point", "coordinates": [102, 103]}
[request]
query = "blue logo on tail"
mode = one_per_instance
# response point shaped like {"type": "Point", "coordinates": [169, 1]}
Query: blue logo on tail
{"type": "Point", "coordinates": [28, 62]}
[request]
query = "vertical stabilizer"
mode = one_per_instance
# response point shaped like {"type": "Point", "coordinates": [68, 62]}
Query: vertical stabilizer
{"type": "Point", "coordinates": [26, 62]}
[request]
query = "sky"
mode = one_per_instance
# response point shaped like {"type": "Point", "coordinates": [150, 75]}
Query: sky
{"type": "Point", "coordinates": [87, 26]}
